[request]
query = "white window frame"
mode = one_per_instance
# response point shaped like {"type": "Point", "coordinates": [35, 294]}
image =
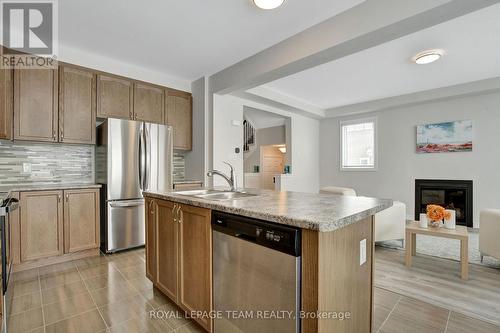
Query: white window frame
{"type": "Point", "coordinates": [375, 149]}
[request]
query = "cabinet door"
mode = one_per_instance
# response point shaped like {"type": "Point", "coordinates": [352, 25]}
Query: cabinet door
{"type": "Point", "coordinates": [41, 224]}
{"type": "Point", "coordinates": [195, 261]}
{"type": "Point", "coordinates": [35, 104]}
{"type": "Point", "coordinates": [114, 97]}
{"type": "Point", "coordinates": [150, 239]}
{"type": "Point", "coordinates": [166, 249]}
{"type": "Point", "coordinates": [77, 105]}
{"type": "Point", "coordinates": [149, 103]}
{"type": "Point", "coordinates": [81, 220]}
{"type": "Point", "coordinates": [179, 116]}
{"type": "Point", "coordinates": [6, 103]}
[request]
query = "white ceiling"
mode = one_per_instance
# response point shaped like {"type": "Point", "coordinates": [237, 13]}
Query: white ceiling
{"type": "Point", "coordinates": [186, 39]}
{"type": "Point", "coordinates": [471, 43]}
{"type": "Point", "coordinates": [263, 119]}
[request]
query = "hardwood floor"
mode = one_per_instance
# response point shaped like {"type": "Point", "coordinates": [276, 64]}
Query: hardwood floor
{"type": "Point", "coordinates": [437, 281]}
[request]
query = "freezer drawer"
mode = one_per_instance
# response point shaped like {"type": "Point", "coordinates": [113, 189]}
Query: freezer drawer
{"type": "Point", "coordinates": [125, 224]}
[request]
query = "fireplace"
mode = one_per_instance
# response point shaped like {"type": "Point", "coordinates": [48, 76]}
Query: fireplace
{"type": "Point", "coordinates": [451, 194]}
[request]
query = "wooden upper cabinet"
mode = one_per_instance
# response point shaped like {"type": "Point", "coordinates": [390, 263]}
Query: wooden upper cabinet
{"type": "Point", "coordinates": [150, 239]}
{"type": "Point", "coordinates": [149, 104]}
{"type": "Point", "coordinates": [35, 104]}
{"type": "Point", "coordinates": [166, 249]}
{"type": "Point", "coordinates": [41, 224]}
{"type": "Point", "coordinates": [81, 220]}
{"type": "Point", "coordinates": [114, 97]}
{"type": "Point", "coordinates": [195, 262]}
{"type": "Point", "coordinates": [6, 103]}
{"type": "Point", "coordinates": [179, 116]}
{"type": "Point", "coordinates": [77, 105]}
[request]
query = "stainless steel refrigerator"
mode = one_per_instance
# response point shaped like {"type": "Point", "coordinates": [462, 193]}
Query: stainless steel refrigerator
{"type": "Point", "coordinates": [131, 156]}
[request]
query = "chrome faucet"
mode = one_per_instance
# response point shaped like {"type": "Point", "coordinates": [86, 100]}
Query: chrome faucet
{"type": "Point", "coordinates": [231, 180]}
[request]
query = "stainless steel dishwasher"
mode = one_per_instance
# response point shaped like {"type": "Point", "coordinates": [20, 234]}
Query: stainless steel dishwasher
{"type": "Point", "coordinates": [256, 267]}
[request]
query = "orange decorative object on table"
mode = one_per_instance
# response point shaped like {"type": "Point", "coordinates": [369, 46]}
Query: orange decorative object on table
{"type": "Point", "coordinates": [437, 213]}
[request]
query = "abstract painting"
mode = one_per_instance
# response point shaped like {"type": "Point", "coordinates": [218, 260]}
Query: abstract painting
{"type": "Point", "coordinates": [455, 136]}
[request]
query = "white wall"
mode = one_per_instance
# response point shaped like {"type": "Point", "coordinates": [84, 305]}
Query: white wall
{"type": "Point", "coordinates": [195, 159]}
{"type": "Point", "coordinates": [400, 165]}
{"type": "Point", "coordinates": [304, 135]}
{"type": "Point", "coordinates": [227, 137]}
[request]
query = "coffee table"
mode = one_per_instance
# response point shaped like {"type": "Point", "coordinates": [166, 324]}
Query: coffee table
{"type": "Point", "coordinates": [460, 233]}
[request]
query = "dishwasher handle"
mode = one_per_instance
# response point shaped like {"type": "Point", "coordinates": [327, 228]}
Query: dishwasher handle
{"type": "Point", "coordinates": [246, 237]}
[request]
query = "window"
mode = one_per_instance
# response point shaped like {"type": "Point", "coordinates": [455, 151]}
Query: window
{"type": "Point", "coordinates": [358, 144]}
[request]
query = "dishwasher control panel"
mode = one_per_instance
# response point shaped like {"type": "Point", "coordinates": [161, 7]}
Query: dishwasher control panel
{"type": "Point", "coordinates": [275, 236]}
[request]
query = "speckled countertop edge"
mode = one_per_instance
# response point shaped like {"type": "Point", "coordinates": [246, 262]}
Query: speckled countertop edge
{"type": "Point", "coordinates": [315, 221]}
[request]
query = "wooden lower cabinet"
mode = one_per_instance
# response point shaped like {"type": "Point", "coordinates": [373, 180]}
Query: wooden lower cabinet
{"type": "Point", "coordinates": [81, 220]}
{"type": "Point", "coordinates": [183, 256]}
{"type": "Point", "coordinates": [41, 224]}
{"type": "Point", "coordinates": [150, 239]}
{"type": "Point", "coordinates": [55, 223]}
{"type": "Point", "coordinates": [195, 262]}
{"type": "Point", "coordinates": [166, 249]}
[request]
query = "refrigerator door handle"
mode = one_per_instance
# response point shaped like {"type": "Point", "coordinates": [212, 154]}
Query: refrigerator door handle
{"type": "Point", "coordinates": [147, 169]}
{"type": "Point", "coordinates": [128, 203]}
{"type": "Point", "coordinates": [142, 158]}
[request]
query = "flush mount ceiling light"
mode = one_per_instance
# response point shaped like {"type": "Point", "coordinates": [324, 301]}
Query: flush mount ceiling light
{"type": "Point", "coordinates": [268, 4]}
{"type": "Point", "coordinates": [427, 57]}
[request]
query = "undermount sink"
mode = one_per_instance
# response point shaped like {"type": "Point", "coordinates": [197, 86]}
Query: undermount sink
{"type": "Point", "coordinates": [217, 195]}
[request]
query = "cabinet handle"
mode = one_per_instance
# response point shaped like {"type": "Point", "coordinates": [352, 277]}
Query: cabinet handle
{"type": "Point", "coordinates": [151, 210]}
{"type": "Point", "coordinates": [67, 197]}
{"type": "Point", "coordinates": [54, 135]}
{"type": "Point", "coordinates": [174, 212]}
{"type": "Point", "coordinates": [59, 198]}
{"type": "Point", "coordinates": [62, 135]}
{"type": "Point", "coordinates": [181, 213]}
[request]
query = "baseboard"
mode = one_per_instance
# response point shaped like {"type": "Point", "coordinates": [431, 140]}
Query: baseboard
{"type": "Point", "coordinates": [54, 260]}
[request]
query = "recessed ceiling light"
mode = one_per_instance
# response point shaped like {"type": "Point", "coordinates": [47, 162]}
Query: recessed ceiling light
{"type": "Point", "coordinates": [268, 4]}
{"type": "Point", "coordinates": [427, 57]}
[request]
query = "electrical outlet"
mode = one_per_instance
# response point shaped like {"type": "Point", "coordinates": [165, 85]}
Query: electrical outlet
{"type": "Point", "coordinates": [362, 252]}
{"type": "Point", "coordinates": [26, 167]}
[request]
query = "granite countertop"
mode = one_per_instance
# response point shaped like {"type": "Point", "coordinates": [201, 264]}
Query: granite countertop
{"type": "Point", "coordinates": [6, 189]}
{"type": "Point", "coordinates": [322, 212]}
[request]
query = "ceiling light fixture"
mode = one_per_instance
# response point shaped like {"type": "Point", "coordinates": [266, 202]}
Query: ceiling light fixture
{"type": "Point", "coordinates": [268, 4]}
{"type": "Point", "coordinates": [427, 57]}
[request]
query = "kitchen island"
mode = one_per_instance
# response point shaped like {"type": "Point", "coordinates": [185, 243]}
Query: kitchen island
{"type": "Point", "coordinates": [336, 280]}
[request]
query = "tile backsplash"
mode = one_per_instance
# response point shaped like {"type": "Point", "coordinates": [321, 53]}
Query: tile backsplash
{"type": "Point", "coordinates": [49, 163]}
{"type": "Point", "coordinates": [179, 166]}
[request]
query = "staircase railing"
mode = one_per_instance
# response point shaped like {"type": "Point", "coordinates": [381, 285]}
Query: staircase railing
{"type": "Point", "coordinates": [248, 135]}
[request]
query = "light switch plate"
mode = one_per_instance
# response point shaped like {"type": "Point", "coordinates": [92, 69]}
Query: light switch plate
{"type": "Point", "coordinates": [26, 167]}
{"type": "Point", "coordinates": [362, 252]}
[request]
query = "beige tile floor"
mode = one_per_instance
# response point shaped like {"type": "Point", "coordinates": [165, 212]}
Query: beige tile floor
{"type": "Point", "coordinates": [111, 294]}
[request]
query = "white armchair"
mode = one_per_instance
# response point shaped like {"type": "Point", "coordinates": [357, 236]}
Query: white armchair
{"type": "Point", "coordinates": [390, 223]}
{"type": "Point", "coordinates": [338, 190]}
{"type": "Point", "coordinates": [489, 233]}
